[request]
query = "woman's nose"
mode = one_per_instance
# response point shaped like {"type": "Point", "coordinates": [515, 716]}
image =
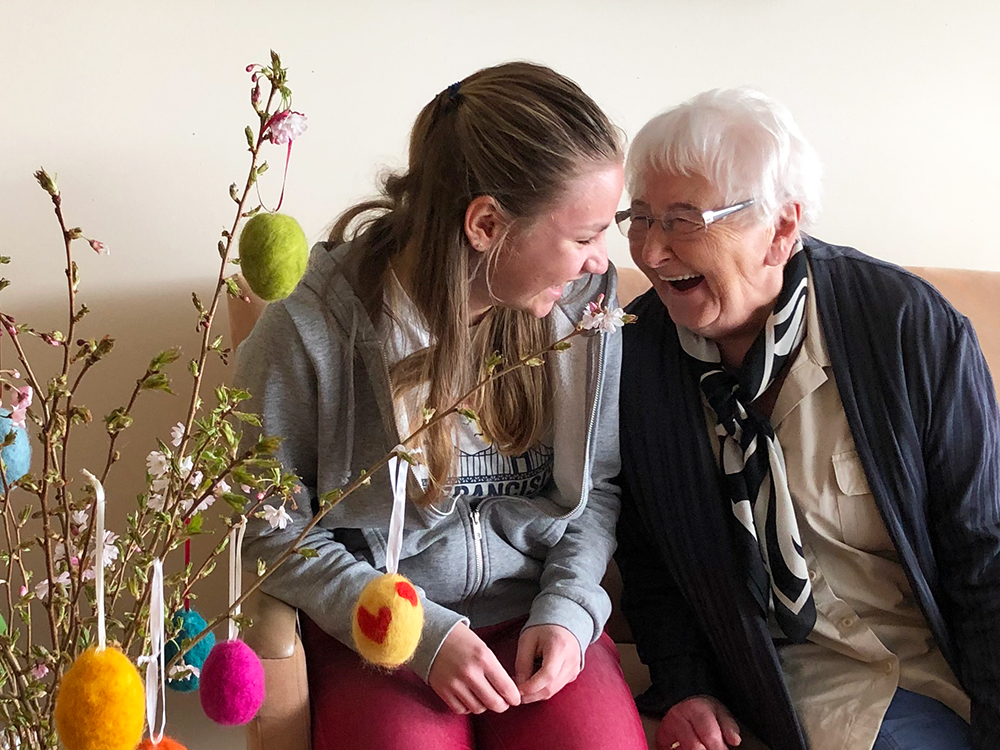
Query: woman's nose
{"type": "Point", "coordinates": [654, 250]}
{"type": "Point", "coordinates": [597, 262]}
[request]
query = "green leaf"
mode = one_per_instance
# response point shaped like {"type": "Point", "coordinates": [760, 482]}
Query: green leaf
{"type": "Point", "coordinates": [158, 381]}
{"type": "Point", "coordinates": [235, 501]}
{"type": "Point", "coordinates": [233, 289]}
{"type": "Point", "coordinates": [193, 367]}
{"type": "Point", "coordinates": [534, 362]}
{"type": "Point", "coordinates": [267, 446]}
{"type": "Point", "coordinates": [331, 498]}
{"type": "Point", "coordinates": [118, 420]}
{"type": "Point", "coordinates": [195, 524]}
{"type": "Point", "coordinates": [261, 567]}
{"type": "Point", "coordinates": [493, 362]}
{"type": "Point", "coordinates": [307, 552]}
{"type": "Point", "coordinates": [166, 357]}
{"type": "Point", "coordinates": [562, 346]}
{"type": "Point", "coordinates": [247, 417]}
{"type": "Point", "coordinates": [248, 132]}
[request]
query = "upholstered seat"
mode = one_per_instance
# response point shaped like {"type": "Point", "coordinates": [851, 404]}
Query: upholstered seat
{"type": "Point", "coordinates": [283, 722]}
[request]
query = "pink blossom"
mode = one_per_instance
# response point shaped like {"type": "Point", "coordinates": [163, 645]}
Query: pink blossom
{"type": "Point", "coordinates": [255, 95]}
{"type": "Point", "coordinates": [39, 671]}
{"type": "Point", "coordinates": [19, 408]}
{"type": "Point", "coordinates": [99, 247]}
{"type": "Point", "coordinates": [16, 374]}
{"type": "Point", "coordinates": [23, 591]}
{"type": "Point", "coordinates": [250, 68]}
{"type": "Point", "coordinates": [286, 126]}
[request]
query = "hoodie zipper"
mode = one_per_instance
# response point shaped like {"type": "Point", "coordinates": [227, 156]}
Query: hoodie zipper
{"type": "Point", "coordinates": [477, 543]}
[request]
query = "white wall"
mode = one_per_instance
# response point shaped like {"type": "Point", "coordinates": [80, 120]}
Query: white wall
{"type": "Point", "coordinates": [140, 109]}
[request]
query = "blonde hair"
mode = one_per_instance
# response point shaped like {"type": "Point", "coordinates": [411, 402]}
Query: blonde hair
{"type": "Point", "coordinates": [516, 132]}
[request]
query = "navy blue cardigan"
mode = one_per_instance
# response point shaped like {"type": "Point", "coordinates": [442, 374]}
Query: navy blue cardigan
{"type": "Point", "coordinates": [922, 409]}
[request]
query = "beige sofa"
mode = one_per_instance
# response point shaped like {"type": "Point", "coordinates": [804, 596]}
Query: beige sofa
{"type": "Point", "coordinates": [283, 721]}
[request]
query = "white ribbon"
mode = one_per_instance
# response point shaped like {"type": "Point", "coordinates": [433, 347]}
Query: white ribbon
{"type": "Point", "coordinates": [236, 572]}
{"type": "Point", "coordinates": [98, 555]}
{"type": "Point", "coordinates": [156, 668]}
{"type": "Point", "coordinates": [397, 477]}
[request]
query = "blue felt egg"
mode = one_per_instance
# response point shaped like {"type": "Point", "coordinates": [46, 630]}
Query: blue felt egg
{"type": "Point", "coordinates": [16, 456]}
{"type": "Point", "coordinates": [191, 624]}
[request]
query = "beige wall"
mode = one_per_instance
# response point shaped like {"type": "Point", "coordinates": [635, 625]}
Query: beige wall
{"type": "Point", "coordinates": [140, 108]}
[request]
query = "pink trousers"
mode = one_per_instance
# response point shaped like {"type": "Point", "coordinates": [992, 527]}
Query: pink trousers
{"type": "Point", "coordinates": [355, 707]}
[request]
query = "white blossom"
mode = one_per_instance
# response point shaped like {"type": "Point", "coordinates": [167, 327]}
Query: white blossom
{"type": "Point", "coordinates": [177, 434]}
{"type": "Point", "coordinates": [278, 517]}
{"type": "Point", "coordinates": [182, 671]}
{"type": "Point", "coordinates": [110, 552]}
{"type": "Point", "coordinates": [42, 588]}
{"type": "Point", "coordinates": [157, 464]}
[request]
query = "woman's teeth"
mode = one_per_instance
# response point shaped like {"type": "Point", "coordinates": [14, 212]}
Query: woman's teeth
{"type": "Point", "coordinates": [685, 277]}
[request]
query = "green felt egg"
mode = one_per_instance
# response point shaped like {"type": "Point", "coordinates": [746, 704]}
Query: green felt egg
{"type": "Point", "coordinates": [273, 255]}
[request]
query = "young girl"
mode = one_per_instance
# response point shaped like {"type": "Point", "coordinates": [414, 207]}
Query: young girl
{"type": "Point", "coordinates": [492, 240]}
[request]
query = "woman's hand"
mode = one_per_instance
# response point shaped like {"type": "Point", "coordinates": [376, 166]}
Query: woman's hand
{"type": "Point", "coordinates": [698, 723]}
{"type": "Point", "coordinates": [559, 652]}
{"type": "Point", "coordinates": [468, 677]}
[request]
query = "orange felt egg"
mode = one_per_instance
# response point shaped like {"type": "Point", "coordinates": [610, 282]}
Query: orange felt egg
{"type": "Point", "coordinates": [165, 744]}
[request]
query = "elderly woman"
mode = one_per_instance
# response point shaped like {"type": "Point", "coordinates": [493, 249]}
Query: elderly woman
{"type": "Point", "coordinates": [810, 531]}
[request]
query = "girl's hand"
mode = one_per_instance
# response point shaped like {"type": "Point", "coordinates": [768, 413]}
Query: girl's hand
{"type": "Point", "coordinates": [559, 652]}
{"type": "Point", "coordinates": [468, 677]}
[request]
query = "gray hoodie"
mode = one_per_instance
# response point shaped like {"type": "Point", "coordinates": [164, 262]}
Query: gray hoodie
{"type": "Point", "coordinates": [316, 368]}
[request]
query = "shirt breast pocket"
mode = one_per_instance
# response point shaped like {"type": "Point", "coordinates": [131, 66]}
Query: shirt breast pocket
{"type": "Point", "coordinates": [861, 524]}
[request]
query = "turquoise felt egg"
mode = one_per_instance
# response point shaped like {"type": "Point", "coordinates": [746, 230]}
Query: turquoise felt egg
{"type": "Point", "coordinates": [16, 456]}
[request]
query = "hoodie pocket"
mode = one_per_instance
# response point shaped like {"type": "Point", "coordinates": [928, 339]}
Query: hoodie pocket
{"type": "Point", "coordinates": [522, 527]}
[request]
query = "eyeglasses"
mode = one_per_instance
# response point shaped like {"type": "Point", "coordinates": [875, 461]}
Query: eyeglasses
{"type": "Point", "coordinates": [636, 222]}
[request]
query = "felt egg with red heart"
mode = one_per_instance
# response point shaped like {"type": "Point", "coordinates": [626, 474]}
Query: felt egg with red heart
{"type": "Point", "coordinates": [387, 621]}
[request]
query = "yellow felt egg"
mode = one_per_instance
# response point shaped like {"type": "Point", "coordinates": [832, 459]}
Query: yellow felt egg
{"type": "Point", "coordinates": [387, 621]}
{"type": "Point", "coordinates": [101, 702]}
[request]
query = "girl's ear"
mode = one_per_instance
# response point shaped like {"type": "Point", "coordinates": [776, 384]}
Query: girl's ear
{"type": "Point", "coordinates": [483, 222]}
{"type": "Point", "coordinates": [786, 234]}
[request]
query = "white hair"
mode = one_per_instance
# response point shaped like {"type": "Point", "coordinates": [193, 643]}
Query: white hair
{"type": "Point", "coordinates": [741, 141]}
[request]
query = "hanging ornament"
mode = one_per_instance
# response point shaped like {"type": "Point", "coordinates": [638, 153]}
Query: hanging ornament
{"type": "Point", "coordinates": [388, 619]}
{"type": "Point", "coordinates": [156, 667]}
{"type": "Point", "coordinates": [100, 701]}
{"type": "Point", "coordinates": [191, 626]}
{"type": "Point", "coordinates": [274, 253]}
{"type": "Point", "coordinates": [232, 680]}
{"type": "Point", "coordinates": [16, 456]}
{"type": "Point", "coordinates": [165, 744]}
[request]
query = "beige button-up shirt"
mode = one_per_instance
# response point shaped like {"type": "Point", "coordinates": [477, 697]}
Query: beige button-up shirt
{"type": "Point", "coordinates": [870, 635]}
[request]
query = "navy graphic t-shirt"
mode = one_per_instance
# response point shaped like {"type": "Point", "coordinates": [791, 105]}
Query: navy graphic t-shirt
{"type": "Point", "coordinates": [482, 470]}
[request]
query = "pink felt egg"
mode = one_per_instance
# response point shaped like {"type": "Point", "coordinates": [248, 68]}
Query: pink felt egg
{"type": "Point", "coordinates": [232, 684]}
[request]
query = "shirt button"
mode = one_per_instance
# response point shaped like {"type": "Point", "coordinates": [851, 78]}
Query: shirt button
{"type": "Point", "coordinates": [813, 575]}
{"type": "Point", "coordinates": [847, 622]}
{"type": "Point", "coordinates": [888, 666]}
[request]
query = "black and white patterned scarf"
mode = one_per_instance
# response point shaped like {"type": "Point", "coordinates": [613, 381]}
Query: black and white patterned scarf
{"type": "Point", "coordinates": [753, 465]}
